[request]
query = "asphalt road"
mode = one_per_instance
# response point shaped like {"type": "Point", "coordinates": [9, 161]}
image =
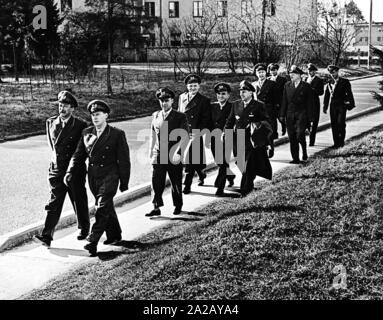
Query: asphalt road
{"type": "Point", "coordinates": [24, 165]}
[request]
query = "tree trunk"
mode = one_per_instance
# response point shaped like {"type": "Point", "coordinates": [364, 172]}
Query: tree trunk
{"type": "Point", "coordinates": [262, 36]}
{"type": "Point", "coordinates": [15, 62]}
{"type": "Point", "coordinates": [108, 82]}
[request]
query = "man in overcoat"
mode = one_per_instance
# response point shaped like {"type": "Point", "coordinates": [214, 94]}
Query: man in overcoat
{"type": "Point", "coordinates": [197, 109]}
{"type": "Point", "coordinates": [63, 133]}
{"type": "Point", "coordinates": [339, 97]}
{"type": "Point", "coordinates": [107, 150]}
{"type": "Point", "coordinates": [250, 116]}
{"type": "Point", "coordinates": [166, 155]}
{"type": "Point", "coordinates": [317, 86]}
{"type": "Point", "coordinates": [297, 112]}
{"type": "Point", "coordinates": [266, 92]}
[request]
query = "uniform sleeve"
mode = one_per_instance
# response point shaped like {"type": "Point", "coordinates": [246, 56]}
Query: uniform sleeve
{"type": "Point", "coordinates": [230, 119]}
{"type": "Point", "coordinates": [123, 159]}
{"type": "Point", "coordinates": [350, 96]}
{"type": "Point", "coordinates": [320, 88]}
{"type": "Point", "coordinates": [282, 112]}
{"type": "Point", "coordinates": [310, 103]}
{"type": "Point", "coordinates": [326, 99]}
{"type": "Point", "coordinates": [79, 156]}
{"type": "Point", "coordinates": [206, 114]}
{"type": "Point", "coordinates": [48, 134]}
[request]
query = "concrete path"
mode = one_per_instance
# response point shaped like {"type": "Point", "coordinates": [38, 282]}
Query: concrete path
{"type": "Point", "coordinates": [31, 266]}
{"type": "Point", "coordinates": [24, 165]}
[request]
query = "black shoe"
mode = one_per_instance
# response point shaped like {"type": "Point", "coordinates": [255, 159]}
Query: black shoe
{"type": "Point", "coordinates": [154, 212]}
{"type": "Point", "coordinates": [311, 144]}
{"type": "Point", "coordinates": [177, 211]}
{"type": "Point", "coordinates": [305, 157]}
{"type": "Point", "coordinates": [295, 162]}
{"type": "Point", "coordinates": [92, 248]}
{"type": "Point", "coordinates": [44, 240]}
{"type": "Point", "coordinates": [219, 192]}
{"type": "Point", "coordinates": [231, 181]}
{"type": "Point", "coordinates": [186, 190]}
{"type": "Point", "coordinates": [202, 180]}
{"type": "Point", "coordinates": [112, 241]}
{"type": "Point", "coordinates": [82, 236]}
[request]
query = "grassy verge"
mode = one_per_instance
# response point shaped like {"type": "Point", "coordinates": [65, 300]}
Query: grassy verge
{"type": "Point", "coordinates": [280, 242]}
{"type": "Point", "coordinates": [26, 106]}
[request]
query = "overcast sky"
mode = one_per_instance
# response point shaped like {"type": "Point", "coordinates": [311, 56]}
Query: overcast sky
{"type": "Point", "coordinates": [377, 9]}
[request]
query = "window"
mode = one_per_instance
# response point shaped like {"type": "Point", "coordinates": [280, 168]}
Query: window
{"type": "Point", "coordinates": [126, 43]}
{"type": "Point", "coordinates": [150, 9]}
{"type": "Point", "coordinates": [270, 10]}
{"type": "Point", "coordinates": [150, 39]}
{"type": "Point", "coordinates": [361, 39]}
{"type": "Point", "coordinates": [175, 39]}
{"type": "Point", "coordinates": [66, 4]}
{"type": "Point", "coordinates": [197, 9]}
{"type": "Point", "coordinates": [379, 38]}
{"type": "Point", "coordinates": [222, 8]}
{"type": "Point", "coordinates": [245, 7]}
{"type": "Point", "coordinates": [174, 9]}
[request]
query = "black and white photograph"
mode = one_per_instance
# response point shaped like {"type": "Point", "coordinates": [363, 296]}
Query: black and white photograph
{"type": "Point", "coordinates": [189, 157]}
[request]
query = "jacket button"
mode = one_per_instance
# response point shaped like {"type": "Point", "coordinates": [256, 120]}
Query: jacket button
{"type": "Point", "coordinates": [101, 165]}
{"type": "Point", "coordinates": [103, 157]}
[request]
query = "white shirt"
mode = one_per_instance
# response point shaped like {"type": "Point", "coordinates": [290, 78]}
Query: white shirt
{"type": "Point", "coordinates": [64, 122]}
{"type": "Point", "coordinates": [165, 114]}
{"type": "Point", "coordinates": [100, 131]}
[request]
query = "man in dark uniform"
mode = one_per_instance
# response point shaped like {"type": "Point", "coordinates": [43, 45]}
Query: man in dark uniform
{"type": "Point", "coordinates": [297, 112]}
{"type": "Point", "coordinates": [220, 111]}
{"type": "Point", "coordinates": [163, 123]}
{"type": "Point", "coordinates": [266, 92]}
{"type": "Point", "coordinates": [250, 115]}
{"type": "Point", "coordinates": [280, 85]}
{"type": "Point", "coordinates": [317, 87]}
{"type": "Point", "coordinates": [197, 109]}
{"type": "Point", "coordinates": [109, 165]}
{"type": "Point", "coordinates": [63, 133]}
{"type": "Point", "coordinates": [338, 95]}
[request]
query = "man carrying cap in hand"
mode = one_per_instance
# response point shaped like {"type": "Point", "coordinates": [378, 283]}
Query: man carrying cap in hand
{"type": "Point", "coordinates": [109, 166]}
{"type": "Point", "coordinates": [166, 155]}
{"type": "Point", "coordinates": [297, 112]}
{"type": "Point", "coordinates": [339, 97]}
{"type": "Point", "coordinates": [63, 133]}
{"type": "Point", "coordinates": [197, 109]}
{"type": "Point", "coordinates": [250, 115]}
{"type": "Point", "coordinates": [220, 111]}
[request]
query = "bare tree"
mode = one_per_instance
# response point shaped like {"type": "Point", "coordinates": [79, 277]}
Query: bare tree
{"type": "Point", "coordinates": [191, 43]}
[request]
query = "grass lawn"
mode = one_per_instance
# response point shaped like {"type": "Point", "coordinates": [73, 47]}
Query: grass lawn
{"type": "Point", "coordinates": [282, 241]}
{"type": "Point", "coordinates": [27, 107]}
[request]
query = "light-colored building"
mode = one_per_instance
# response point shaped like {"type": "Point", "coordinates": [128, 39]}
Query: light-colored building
{"type": "Point", "coordinates": [358, 49]}
{"type": "Point", "coordinates": [281, 18]}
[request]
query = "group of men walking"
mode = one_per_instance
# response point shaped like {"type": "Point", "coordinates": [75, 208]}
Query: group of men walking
{"type": "Point", "coordinates": [245, 128]}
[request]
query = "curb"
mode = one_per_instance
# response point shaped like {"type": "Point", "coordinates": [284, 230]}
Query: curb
{"type": "Point", "coordinates": [21, 235]}
{"type": "Point", "coordinates": [42, 132]}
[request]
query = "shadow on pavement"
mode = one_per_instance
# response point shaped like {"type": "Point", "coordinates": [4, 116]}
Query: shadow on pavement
{"type": "Point", "coordinates": [178, 218]}
{"type": "Point", "coordinates": [64, 252]}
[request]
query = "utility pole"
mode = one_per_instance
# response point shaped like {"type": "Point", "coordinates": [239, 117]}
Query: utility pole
{"type": "Point", "coordinates": [369, 38]}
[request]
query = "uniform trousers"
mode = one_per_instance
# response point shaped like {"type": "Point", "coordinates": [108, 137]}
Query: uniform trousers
{"type": "Point", "coordinates": [296, 123]}
{"type": "Point", "coordinates": [338, 124]}
{"type": "Point", "coordinates": [104, 189]}
{"type": "Point", "coordinates": [159, 180]}
{"type": "Point", "coordinates": [77, 195]}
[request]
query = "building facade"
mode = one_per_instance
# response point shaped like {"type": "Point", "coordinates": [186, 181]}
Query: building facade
{"type": "Point", "coordinates": [358, 50]}
{"type": "Point", "coordinates": [281, 18]}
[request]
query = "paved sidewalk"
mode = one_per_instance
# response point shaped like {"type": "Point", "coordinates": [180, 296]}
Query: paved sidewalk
{"type": "Point", "coordinates": [32, 265]}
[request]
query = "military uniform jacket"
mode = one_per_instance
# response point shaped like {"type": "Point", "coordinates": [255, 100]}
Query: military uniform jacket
{"type": "Point", "coordinates": [268, 95]}
{"type": "Point", "coordinates": [174, 120]}
{"type": "Point", "coordinates": [339, 95]}
{"type": "Point", "coordinates": [297, 100]}
{"type": "Point", "coordinates": [241, 118]}
{"type": "Point", "coordinates": [197, 110]}
{"type": "Point", "coordinates": [63, 142]}
{"type": "Point", "coordinates": [218, 115]}
{"type": "Point", "coordinates": [280, 85]}
{"type": "Point", "coordinates": [108, 154]}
